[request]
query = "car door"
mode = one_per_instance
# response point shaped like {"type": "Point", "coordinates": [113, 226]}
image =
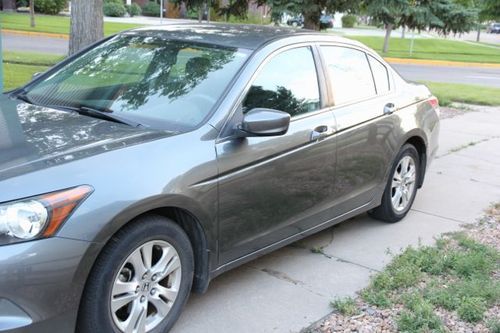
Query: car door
{"type": "Point", "coordinates": [271, 188]}
{"type": "Point", "coordinates": [362, 94]}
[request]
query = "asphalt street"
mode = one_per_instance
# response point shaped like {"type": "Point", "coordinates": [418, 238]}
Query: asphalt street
{"type": "Point", "coordinates": [470, 75]}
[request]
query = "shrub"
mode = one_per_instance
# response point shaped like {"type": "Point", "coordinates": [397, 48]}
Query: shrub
{"type": "Point", "coordinates": [348, 21]}
{"type": "Point", "coordinates": [419, 317]}
{"type": "Point", "coordinates": [50, 7]}
{"type": "Point", "coordinates": [22, 3]}
{"type": "Point", "coordinates": [134, 9]}
{"type": "Point", "coordinates": [114, 9]}
{"type": "Point", "coordinates": [472, 309]}
{"type": "Point", "coordinates": [346, 306]}
{"type": "Point", "coordinates": [151, 9]}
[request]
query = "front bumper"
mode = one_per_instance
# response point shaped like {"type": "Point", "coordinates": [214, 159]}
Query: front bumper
{"type": "Point", "coordinates": [40, 285]}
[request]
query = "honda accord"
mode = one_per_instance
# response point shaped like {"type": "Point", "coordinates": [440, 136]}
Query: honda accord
{"type": "Point", "coordinates": [154, 160]}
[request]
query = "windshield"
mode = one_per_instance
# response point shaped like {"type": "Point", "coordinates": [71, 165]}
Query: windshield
{"type": "Point", "coordinates": [161, 83]}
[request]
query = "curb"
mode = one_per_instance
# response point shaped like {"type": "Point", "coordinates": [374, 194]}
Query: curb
{"type": "Point", "coordinates": [440, 63]}
{"type": "Point", "coordinates": [34, 34]}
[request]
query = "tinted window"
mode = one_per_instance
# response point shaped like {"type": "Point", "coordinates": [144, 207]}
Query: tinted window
{"type": "Point", "coordinates": [150, 79]}
{"type": "Point", "coordinates": [380, 75]}
{"type": "Point", "coordinates": [350, 74]}
{"type": "Point", "coordinates": [288, 82]}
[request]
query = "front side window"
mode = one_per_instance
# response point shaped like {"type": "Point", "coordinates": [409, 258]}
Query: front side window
{"type": "Point", "coordinates": [288, 83]}
{"type": "Point", "coordinates": [150, 79]}
{"type": "Point", "coordinates": [350, 74]}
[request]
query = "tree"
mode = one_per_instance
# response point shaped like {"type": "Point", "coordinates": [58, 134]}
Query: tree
{"type": "Point", "coordinates": [311, 10]}
{"type": "Point", "coordinates": [390, 13]}
{"type": "Point", "coordinates": [86, 24]}
{"type": "Point", "coordinates": [486, 10]}
{"type": "Point", "coordinates": [32, 13]}
{"type": "Point", "coordinates": [443, 16]}
{"type": "Point", "coordinates": [197, 5]}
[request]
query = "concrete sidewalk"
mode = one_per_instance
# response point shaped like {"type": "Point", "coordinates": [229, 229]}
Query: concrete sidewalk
{"type": "Point", "coordinates": [292, 287]}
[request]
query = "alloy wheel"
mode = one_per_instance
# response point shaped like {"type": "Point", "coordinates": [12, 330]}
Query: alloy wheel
{"type": "Point", "coordinates": [403, 184]}
{"type": "Point", "coordinates": [146, 287]}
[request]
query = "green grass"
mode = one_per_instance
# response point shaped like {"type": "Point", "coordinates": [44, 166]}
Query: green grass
{"type": "Point", "coordinates": [52, 24]}
{"type": "Point", "coordinates": [433, 49]}
{"type": "Point", "coordinates": [346, 306]}
{"type": "Point", "coordinates": [457, 274]}
{"type": "Point", "coordinates": [19, 67]}
{"type": "Point", "coordinates": [16, 75]}
{"type": "Point", "coordinates": [27, 58]}
{"type": "Point", "coordinates": [464, 93]}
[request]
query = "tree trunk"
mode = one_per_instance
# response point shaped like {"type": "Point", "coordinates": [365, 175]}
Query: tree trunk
{"type": "Point", "coordinates": [200, 13]}
{"type": "Point", "coordinates": [388, 30]}
{"type": "Point", "coordinates": [32, 13]}
{"type": "Point", "coordinates": [86, 24]}
{"type": "Point", "coordinates": [478, 37]}
{"type": "Point", "coordinates": [403, 32]}
{"type": "Point", "coordinates": [311, 20]}
{"type": "Point", "coordinates": [208, 10]}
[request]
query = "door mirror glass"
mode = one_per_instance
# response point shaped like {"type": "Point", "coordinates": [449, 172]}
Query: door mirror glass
{"type": "Point", "coordinates": [264, 122]}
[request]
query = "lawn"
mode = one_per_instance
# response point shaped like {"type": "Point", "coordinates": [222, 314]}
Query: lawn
{"type": "Point", "coordinates": [52, 24]}
{"type": "Point", "coordinates": [16, 75]}
{"type": "Point", "coordinates": [464, 93]}
{"type": "Point", "coordinates": [434, 49]}
{"type": "Point", "coordinates": [449, 287]}
{"type": "Point", "coordinates": [19, 67]}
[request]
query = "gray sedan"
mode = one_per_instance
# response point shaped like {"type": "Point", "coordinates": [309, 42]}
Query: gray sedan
{"type": "Point", "coordinates": [140, 169]}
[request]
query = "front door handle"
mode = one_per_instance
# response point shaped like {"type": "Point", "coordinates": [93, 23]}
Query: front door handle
{"type": "Point", "coordinates": [321, 132]}
{"type": "Point", "coordinates": [389, 108]}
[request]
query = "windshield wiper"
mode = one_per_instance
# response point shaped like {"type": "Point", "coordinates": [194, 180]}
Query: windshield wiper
{"type": "Point", "coordinates": [101, 113]}
{"type": "Point", "coordinates": [23, 96]}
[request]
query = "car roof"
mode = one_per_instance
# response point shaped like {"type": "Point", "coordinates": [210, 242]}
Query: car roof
{"type": "Point", "coordinates": [246, 36]}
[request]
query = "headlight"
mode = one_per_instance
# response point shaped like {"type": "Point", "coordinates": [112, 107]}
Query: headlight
{"type": "Point", "coordinates": [40, 216]}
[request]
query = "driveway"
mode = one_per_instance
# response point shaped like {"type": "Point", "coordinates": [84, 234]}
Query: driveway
{"type": "Point", "coordinates": [292, 287]}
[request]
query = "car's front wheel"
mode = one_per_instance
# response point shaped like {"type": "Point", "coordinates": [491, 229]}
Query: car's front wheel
{"type": "Point", "coordinates": [141, 280]}
{"type": "Point", "coordinates": [401, 187]}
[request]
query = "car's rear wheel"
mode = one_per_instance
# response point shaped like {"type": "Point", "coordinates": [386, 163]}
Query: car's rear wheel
{"type": "Point", "coordinates": [401, 187]}
{"type": "Point", "coordinates": [141, 280]}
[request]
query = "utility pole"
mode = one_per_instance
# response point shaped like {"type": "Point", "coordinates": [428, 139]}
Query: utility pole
{"type": "Point", "coordinates": [161, 12]}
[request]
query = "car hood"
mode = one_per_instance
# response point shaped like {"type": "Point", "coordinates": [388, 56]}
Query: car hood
{"type": "Point", "coordinates": [35, 137]}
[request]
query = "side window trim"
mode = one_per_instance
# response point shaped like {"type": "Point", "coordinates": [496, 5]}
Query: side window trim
{"type": "Point", "coordinates": [372, 74]}
{"type": "Point", "coordinates": [387, 73]}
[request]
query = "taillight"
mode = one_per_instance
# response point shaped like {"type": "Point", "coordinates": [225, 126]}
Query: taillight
{"type": "Point", "coordinates": [434, 102]}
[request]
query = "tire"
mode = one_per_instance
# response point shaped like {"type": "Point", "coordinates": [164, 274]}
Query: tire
{"type": "Point", "coordinates": [393, 209]}
{"type": "Point", "coordinates": [122, 263]}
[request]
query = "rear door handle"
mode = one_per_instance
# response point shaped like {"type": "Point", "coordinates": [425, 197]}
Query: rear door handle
{"type": "Point", "coordinates": [321, 132]}
{"type": "Point", "coordinates": [389, 108]}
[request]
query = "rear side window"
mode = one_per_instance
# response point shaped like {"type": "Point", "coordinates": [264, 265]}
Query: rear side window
{"type": "Point", "coordinates": [381, 75]}
{"type": "Point", "coordinates": [288, 83]}
{"type": "Point", "coordinates": [350, 74]}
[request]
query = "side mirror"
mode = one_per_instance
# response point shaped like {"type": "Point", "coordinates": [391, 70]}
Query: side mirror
{"type": "Point", "coordinates": [35, 75]}
{"type": "Point", "coordinates": [264, 122]}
